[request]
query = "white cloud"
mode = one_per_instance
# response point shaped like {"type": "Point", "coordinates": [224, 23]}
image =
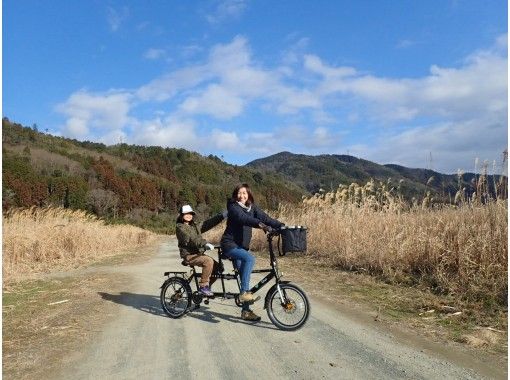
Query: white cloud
{"type": "Point", "coordinates": [294, 53]}
{"type": "Point", "coordinates": [462, 102]}
{"type": "Point", "coordinates": [216, 101]}
{"type": "Point", "coordinates": [234, 55]}
{"type": "Point", "coordinates": [265, 143]}
{"type": "Point", "coordinates": [314, 64]}
{"type": "Point", "coordinates": [478, 87]}
{"type": "Point", "coordinates": [284, 138]}
{"type": "Point", "coordinates": [226, 10]}
{"type": "Point", "coordinates": [167, 132]}
{"type": "Point", "coordinates": [322, 117]}
{"type": "Point", "coordinates": [236, 81]}
{"type": "Point", "coordinates": [225, 140]}
{"type": "Point", "coordinates": [293, 100]}
{"type": "Point", "coordinates": [502, 42]}
{"type": "Point", "coordinates": [116, 17]}
{"type": "Point", "coordinates": [321, 137]}
{"type": "Point", "coordinates": [469, 104]}
{"type": "Point", "coordinates": [452, 145]}
{"type": "Point", "coordinates": [114, 137]}
{"type": "Point", "coordinates": [405, 43]}
{"type": "Point", "coordinates": [167, 86]}
{"type": "Point", "coordinates": [154, 54]}
{"type": "Point", "coordinates": [77, 127]}
{"type": "Point", "coordinates": [292, 137]}
{"type": "Point", "coordinates": [88, 112]}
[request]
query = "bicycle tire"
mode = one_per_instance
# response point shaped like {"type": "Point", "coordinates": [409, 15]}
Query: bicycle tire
{"type": "Point", "coordinates": [175, 297]}
{"type": "Point", "coordinates": [291, 314]}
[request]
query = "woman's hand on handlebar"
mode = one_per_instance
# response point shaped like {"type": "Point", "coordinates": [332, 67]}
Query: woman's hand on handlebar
{"type": "Point", "coordinates": [265, 227]}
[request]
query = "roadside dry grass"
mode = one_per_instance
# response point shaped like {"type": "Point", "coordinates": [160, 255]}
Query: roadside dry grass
{"type": "Point", "coordinates": [42, 240]}
{"type": "Point", "coordinates": [460, 251]}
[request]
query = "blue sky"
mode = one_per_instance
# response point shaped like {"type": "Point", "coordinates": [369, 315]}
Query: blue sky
{"type": "Point", "coordinates": [416, 83]}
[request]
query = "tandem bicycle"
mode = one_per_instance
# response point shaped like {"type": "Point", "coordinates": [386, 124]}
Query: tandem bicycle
{"type": "Point", "coordinates": [287, 305]}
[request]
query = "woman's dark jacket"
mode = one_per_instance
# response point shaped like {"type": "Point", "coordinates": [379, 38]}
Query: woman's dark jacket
{"type": "Point", "coordinates": [189, 236]}
{"type": "Point", "coordinates": [239, 224]}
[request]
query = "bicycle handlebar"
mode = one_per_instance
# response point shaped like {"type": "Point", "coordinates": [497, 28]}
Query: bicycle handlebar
{"type": "Point", "coordinates": [278, 231]}
{"type": "Point", "coordinates": [274, 231]}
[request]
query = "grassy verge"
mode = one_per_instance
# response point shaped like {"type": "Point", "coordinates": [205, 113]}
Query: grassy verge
{"type": "Point", "coordinates": [440, 317]}
{"type": "Point", "coordinates": [46, 320]}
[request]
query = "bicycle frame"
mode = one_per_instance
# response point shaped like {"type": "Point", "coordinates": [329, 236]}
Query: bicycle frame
{"type": "Point", "coordinates": [272, 272]}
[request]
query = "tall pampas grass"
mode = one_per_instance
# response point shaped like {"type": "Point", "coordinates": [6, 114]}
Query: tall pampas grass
{"type": "Point", "coordinates": [459, 249]}
{"type": "Point", "coordinates": [40, 240]}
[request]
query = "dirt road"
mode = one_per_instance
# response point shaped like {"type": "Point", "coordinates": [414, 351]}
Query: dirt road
{"type": "Point", "coordinates": [141, 342]}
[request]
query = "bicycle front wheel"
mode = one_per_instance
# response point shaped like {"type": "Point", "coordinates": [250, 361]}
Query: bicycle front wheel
{"type": "Point", "coordinates": [175, 297]}
{"type": "Point", "coordinates": [289, 308]}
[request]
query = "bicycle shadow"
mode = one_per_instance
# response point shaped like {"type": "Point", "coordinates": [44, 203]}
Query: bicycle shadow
{"type": "Point", "coordinates": [151, 304]}
{"type": "Point", "coordinates": [143, 302]}
{"type": "Point", "coordinates": [204, 313]}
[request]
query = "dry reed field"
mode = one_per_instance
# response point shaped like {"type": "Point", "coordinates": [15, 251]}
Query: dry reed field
{"type": "Point", "coordinates": [460, 250]}
{"type": "Point", "coordinates": [41, 240]}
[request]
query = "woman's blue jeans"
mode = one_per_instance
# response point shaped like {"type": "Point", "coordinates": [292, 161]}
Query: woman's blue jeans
{"type": "Point", "coordinates": [244, 262]}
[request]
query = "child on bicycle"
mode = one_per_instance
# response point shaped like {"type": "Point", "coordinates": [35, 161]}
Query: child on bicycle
{"type": "Point", "coordinates": [192, 245]}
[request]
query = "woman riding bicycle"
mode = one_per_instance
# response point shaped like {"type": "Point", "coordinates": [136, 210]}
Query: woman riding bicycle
{"type": "Point", "coordinates": [243, 214]}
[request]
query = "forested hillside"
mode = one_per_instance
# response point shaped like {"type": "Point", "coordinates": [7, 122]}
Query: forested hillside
{"type": "Point", "coordinates": [124, 183]}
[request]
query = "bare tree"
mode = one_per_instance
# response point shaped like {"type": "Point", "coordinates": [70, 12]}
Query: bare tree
{"type": "Point", "coordinates": [102, 201]}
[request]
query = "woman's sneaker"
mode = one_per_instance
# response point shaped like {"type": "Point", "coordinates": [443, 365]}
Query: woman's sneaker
{"type": "Point", "coordinates": [248, 315]}
{"type": "Point", "coordinates": [248, 297]}
{"type": "Point", "coordinates": [206, 291]}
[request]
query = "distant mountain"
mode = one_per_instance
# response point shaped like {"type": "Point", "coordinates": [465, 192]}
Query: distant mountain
{"type": "Point", "coordinates": [125, 183]}
{"type": "Point", "coordinates": [328, 171]}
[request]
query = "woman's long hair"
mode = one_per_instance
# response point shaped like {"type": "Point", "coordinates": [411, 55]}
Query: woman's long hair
{"type": "Point", "coordinates": [250, 201]}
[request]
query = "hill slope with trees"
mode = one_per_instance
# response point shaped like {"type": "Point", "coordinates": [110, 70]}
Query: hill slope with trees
{"type": "Point", "coordinates": [326, 172]}
{"type": "Point", "coordinates": [140, 185]}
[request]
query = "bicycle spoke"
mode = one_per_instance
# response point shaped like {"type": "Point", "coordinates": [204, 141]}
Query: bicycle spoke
{"type": "Point", "coordinates": [290, 310]}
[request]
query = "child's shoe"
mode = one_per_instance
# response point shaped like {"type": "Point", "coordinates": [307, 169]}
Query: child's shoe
{"type": "Point", "coordinates": [206, 291]}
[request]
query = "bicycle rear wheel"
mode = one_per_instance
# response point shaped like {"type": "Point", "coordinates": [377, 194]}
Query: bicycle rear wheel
{"type": "Point", "coordinates": [289, 311]}
{"type": "Point", "coordinates": [175, 297]}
